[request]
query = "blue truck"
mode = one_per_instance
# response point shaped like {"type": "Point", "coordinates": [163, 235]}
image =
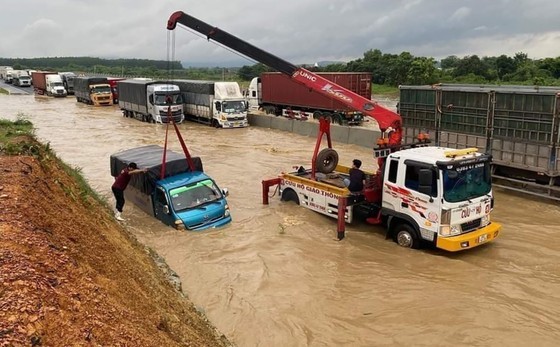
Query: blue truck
{"type": "Point", "coordinates": [185, 199]}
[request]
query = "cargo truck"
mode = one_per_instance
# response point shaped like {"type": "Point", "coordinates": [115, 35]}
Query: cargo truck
{"type": "Point", "coordinates": [518, 125]}
{"type": "Point", "coordinates": [421, 194]}
{"type": "Point", "coordinates": [47, 82]}
{"type": "Point", "coordinates": [185, 199]}
{"type": "Point", "coordinates": [278, 94]}
{"type": "Point", "coordinates": [68, 81]}
{"type": "Point", "coordinates": [150, 101]}
{"type": "Point", "coordinates": [219, 104]}
{"type": "Point", "coordinates": [4, 70]}
{"type": "Point", "coordinates": [93, 91]}
{"type": "Point", "coordinates": [21, 78]}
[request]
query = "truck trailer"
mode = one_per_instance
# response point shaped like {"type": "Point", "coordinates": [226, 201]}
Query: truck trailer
{"type": "Point", "coordinates": [47, 82]}
{"type": "Point", "coordinates": [278, 94]}
{"type": "Point", "coordinates": [150, 101]}
{"type": "Point", "coordinates": [93, 91]}
{"type": "Point", "coordinates": [219, 104]}
{"type": "Point", "coordinates": [185, 199]}
{"type": "Point", "coordinates": [518, 125]}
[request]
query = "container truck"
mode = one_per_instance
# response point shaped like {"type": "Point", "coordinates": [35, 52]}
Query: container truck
{"type": "Point", "coordinates": [113, 84]}
{"type": "Point", "coordinates": [419, 193]}
{"type": "Point", "coordinates": [68, 81]}
{"type": "Point", "coordinates": [47, 82]}
{"type": "Point", "coordinates": [518, 125]}
{"type": "Point", "coordinates": [278, 94]}
{"type": "Point", "coordinates": [150, 100]}
{"type": "Point", "coordinates": [21, 78]}
{"type": "Point", "coordinates": [219, 104]}
{"type": "Point", "coordinates": [4, 72]}
{"type": "Point", "coordinates": [93, 91]}
{"type": "Point", "coordinates": [185, 199]}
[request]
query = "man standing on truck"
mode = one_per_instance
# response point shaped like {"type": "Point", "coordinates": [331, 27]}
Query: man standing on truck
{"type": "Point", "coordinates": [120, 184]}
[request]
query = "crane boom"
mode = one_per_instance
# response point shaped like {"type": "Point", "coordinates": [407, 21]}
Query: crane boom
{"type": "Point", "coordinates": [389, 122]}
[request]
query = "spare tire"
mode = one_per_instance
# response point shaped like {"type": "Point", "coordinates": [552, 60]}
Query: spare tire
{"type": "Point", "coordinates": [327, 160]}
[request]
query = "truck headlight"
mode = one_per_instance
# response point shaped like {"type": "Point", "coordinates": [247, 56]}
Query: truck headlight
{"type": "Point", "coordinates": [179, 225]}
{"type": "Point", "coordinates": [485, 220]}
{"type": "Point", "coordinates": [450, 230]}
{"type": "Point", "coordinates": [226, 212]}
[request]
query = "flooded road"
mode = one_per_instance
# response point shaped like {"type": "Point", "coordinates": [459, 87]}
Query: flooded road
{"type": "Point", "coordinates": [276, 277]}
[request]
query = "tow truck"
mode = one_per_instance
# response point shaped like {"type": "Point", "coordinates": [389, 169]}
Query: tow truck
{"type": "Point", "coordinates": [422, 194]}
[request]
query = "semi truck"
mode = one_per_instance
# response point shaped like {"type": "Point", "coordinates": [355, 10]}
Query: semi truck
{"type": "Point", "coordinates": [219, 104]}
{"type": "Point", "coordinates": [21, 78]}
{"type": "Point", "coordinates": [278, 94]}
{"type": "Point", "coordinates": [421, 194]}
{"type": "Point", "coordinates": [4, 72]}
{"type": "Point", "coordinates": [93, 91]}
{"type": "Point", "coordinates": [518, 125]}
{"type": "Point", "coordinates": [68, 81]}
{"type": "Point", "coordinates": [113, 84]}
{"type": "Point", "coordinates": [182, 198]}
{"type": "Point", "coordinates": [150, 101]}
{"type": "Point", "coordinates": [48, 82]}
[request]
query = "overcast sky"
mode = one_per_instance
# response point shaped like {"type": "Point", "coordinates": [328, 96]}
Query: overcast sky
{"type": "Point", "coordinates": [299, 31]}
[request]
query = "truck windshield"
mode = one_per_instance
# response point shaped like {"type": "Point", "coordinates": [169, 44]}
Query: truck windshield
{"type": "Point", "coordinates": [233, 106]}
{"type": "Point", "coordinates": [176, 99]}
{"type": "Point", "coordinates": [101, 90]}
{"type": "Point", "coordinates": [466, 182]}
{"type": "Point", "coordinates": [57, 84]}
{"type": "Point", "coordinates": [194, 195]}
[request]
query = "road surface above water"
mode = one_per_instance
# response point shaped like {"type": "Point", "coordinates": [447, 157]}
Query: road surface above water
{"type": "Point", "coordinates": [277, 277]}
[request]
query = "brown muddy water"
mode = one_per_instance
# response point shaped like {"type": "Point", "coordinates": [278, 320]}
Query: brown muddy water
{"type": "Point", "coordinates": [277, 277]}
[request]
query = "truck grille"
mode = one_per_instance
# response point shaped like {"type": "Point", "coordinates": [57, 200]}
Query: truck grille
{"type": "Point", "coordinates": [210, 221]}
{"type": "Point", "coordinates": [236, 118]}
{"type": "Point", "coordinates": [470, 226]}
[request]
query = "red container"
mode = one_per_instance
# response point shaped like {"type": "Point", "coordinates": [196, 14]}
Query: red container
{"type": "Point", "coordinates": [279, 89]}
{"type": "Point", "coordinates": [39, 80]}
{"type": "Point", "coordinates": [113, 83]}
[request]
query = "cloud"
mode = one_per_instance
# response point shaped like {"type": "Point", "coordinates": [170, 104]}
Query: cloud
{"type": "Point", "coordinates": [297, 31]}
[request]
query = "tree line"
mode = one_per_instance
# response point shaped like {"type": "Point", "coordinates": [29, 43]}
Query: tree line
{"type": "Point", "coordinates": [406, 69]}
{"type": "Point", "coordinates": [387, 69]}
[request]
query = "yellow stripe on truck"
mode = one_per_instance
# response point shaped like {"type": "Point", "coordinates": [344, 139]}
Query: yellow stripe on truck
{"type": "Point", "coordinates": [470, 240]}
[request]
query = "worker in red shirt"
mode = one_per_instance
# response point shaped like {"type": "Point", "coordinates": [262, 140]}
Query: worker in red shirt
{"type": "Point", "coordinates": [120, 184]}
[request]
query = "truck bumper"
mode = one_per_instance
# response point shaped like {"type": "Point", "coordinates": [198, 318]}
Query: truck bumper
{"type": "Point", "coordinates": [469, 240]}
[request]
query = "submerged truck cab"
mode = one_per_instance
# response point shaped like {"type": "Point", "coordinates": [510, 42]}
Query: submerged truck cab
{"type": "Point", "coordinates": [183, 199]}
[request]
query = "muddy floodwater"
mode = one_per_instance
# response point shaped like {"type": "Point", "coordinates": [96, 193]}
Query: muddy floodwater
{"type": "Point", "coordinates": [277, 277]}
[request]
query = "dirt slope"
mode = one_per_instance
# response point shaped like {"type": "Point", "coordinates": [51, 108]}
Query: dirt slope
{"type": "Point", "coordinates": [71, 276]}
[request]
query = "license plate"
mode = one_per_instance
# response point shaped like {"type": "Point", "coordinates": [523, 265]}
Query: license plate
{"type": "Point", "coordinates": [482, 238]}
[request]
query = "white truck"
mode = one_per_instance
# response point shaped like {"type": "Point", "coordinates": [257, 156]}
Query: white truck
{"type": "Point", "coordinates": [48, 82]}
{"type": "Point", "coordinates": [425, 196]}
{"type": "Point", "coordinates": [21, 78]}
{"type": "Point", "coordinates": [4, 72]}
{"type": "Point", "coordinates": [150, 101]}
{"type": "Point", "coordinates": [219, 104]}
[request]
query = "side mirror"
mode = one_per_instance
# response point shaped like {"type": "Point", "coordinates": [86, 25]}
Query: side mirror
{"type": "Point", "coordinates": [425, 177]}
{"type": "Point", "coordinates": [166, 209]}
{"type": "Point", "coordinates": [225, 191]}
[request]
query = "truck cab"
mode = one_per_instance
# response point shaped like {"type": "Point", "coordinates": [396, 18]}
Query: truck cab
{"type": "Point", "coordinates": [191, 202]}
{"type": "Point", "coordinates": [54, 85]}
{"type": "Point", "coordinates": [440, 196]}
{"type": "Point", "coordinates": [230, 106]}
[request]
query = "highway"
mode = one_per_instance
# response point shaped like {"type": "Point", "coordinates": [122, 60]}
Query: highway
{"type": "Point", "coordinates": [13, 90]}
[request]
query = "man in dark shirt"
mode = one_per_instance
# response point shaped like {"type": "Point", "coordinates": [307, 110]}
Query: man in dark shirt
{"type": "Point", "coordinates": [120, 184]}
{"type": "Point", "coordinates": [357, 177]}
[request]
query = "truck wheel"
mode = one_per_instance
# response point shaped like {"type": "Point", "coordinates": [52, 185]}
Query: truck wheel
{"type": "Point", "coordinates": [327, 160]}
{"type": "Point", "coordinates": [290, 195]}
{"type": "Point", "coordinates": [405, 236]}
{"type": "Point", "coordinates": [317, 114]}
{"type": "Point", "coordinates": [338, 118]}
